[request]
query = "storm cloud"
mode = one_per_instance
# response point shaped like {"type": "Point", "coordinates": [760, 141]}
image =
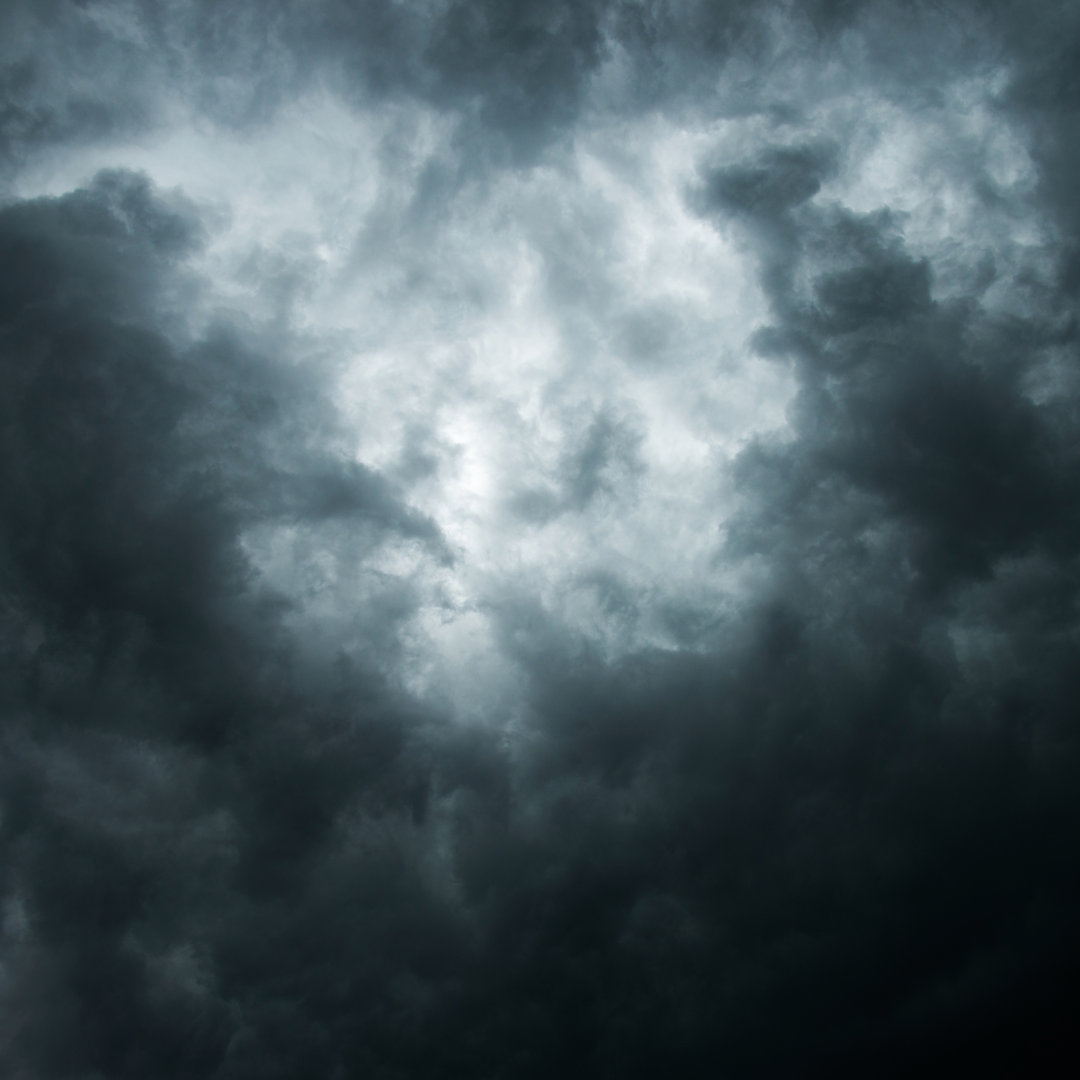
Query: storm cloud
{"type": "Point", "coordinates": [538, 539]}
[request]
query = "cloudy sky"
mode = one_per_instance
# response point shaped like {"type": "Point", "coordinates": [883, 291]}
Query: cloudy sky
{"type": "Point", "coordinates": [538, 539]}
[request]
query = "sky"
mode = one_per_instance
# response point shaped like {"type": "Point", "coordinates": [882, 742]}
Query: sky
{"type": "Point", "coordinates": [539, 539]}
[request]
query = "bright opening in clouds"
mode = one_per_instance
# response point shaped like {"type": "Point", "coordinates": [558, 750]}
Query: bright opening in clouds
{"type": "Point", "coordinates": [538, 538]}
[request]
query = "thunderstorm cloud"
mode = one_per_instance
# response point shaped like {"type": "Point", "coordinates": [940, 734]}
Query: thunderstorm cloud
{"type": "Point", "coordinates": [539, 538]}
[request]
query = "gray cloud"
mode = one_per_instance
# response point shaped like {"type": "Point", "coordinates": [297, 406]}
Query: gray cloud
{"type": "Point", "coordinates": [415, 663]}
{"type": "Point", "coordinates": [602, 460]}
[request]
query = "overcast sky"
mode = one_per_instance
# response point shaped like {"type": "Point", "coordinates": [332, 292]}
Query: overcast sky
{"type": "Point", "coordinates": [539, 539]}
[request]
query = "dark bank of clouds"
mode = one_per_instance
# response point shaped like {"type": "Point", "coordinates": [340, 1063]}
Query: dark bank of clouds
{"type": "Point", "coordinates": [166, 753]}
{"type": "Point", "coordinates": [830, 836]}
{"type": "Point", "coordinates": [514, 72]}
{"type": "Point", "coordinates": [514, 75]}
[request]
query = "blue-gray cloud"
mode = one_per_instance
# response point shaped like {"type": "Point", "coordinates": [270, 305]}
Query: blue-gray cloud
{"type": "Point", "coordinates": [820, 824]}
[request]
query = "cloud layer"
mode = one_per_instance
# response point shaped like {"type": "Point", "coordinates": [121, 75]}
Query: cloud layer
{"type": "Point", "coordinates": [538, 539]}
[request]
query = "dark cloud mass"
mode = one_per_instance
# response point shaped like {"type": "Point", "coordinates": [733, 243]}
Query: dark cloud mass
{"type": "Point", "coordinates": [427, 663]}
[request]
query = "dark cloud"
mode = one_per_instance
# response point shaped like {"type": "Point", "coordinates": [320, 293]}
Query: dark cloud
{"type": "Point", "coordinates": [61, 85]}
{"type": "Point", "coordinates": [158, 769]}
{"type": "Point", "coordinates": [515, 75]}
{"type": "Point", "coordinates": [783, 178]}
{"type": "Point", "coordinates": [915, 405]}
{"type": "Point", "coordinates": [827, 831]}
{"type": "Point", "coordinates": [513, 72]}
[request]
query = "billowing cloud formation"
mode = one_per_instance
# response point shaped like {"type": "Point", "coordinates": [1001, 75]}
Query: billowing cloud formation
{"type": "Point", "coordinates": [538, 539]}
